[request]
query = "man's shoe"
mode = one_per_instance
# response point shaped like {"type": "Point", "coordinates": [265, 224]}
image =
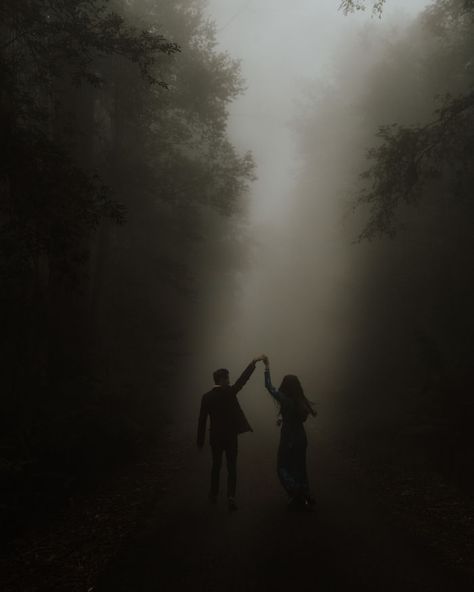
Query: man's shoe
{"type": "Point", "coordinates": [232, 505]}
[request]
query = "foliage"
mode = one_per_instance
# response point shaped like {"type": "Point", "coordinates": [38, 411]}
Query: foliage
{"type": "Point", "coordinates": [410, 157]}
{"type": "Point", "coordinates": [102, 116]}
{"type": "Point", "coordinates": [66, 36]}
{"type": "Point", "coordinates": [348, 6]}
{"type": "Point", "coordinates": [187, 133]}
{"type": "Point", "coordinates": [408, 327]}
{"type": "Point", "coordinates": [48, 204]}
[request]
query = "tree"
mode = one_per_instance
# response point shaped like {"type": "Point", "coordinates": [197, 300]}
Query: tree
{"type": "Point", "coordinates": [48, 42]}
{"type": "Point", "coordinates": [407, 302]}
{"type": "Point", "coordinates": [408, 158]}
{"type": "Point", "coordinates": [348, 6]}
{"type": "Point", "coordinates": [110, 112]}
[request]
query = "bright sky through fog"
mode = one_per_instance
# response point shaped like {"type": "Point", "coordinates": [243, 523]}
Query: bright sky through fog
{"type": "Point", "coordinates": [280, 43]}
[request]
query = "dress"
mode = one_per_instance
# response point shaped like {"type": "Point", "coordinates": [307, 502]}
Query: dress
{"type": "Point", "coordinates": [291, 460]}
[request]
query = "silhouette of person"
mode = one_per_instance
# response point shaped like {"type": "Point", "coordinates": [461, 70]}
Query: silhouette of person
{"type": "Point", "coordinates": [227, 421]}
{"type": "Point", "coordinates": [291, 459]}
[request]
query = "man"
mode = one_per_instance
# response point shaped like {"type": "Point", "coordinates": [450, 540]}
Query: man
{"type": "Point", "coordinates": [227, 421]}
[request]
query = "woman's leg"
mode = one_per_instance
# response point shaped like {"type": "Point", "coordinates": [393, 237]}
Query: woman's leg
{"type": "Point", "coordinates": [285, 465]}
{"type": "Point", "coordinates": [301, 476]}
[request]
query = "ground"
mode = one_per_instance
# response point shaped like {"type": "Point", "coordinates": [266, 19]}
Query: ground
{"type": "Point", "coordinates": [352, 541]}
{"type": "Point", "coordinates": [150, 527]}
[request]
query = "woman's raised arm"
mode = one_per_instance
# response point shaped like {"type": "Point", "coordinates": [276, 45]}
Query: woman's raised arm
{"type": "Point", "coordinates": [275, 393]}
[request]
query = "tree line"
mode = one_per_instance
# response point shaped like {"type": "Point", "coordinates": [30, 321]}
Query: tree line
{"type": "Point", "coordinates": [401, 114]}
{"type": "Point", "coordinates": [115, 157]}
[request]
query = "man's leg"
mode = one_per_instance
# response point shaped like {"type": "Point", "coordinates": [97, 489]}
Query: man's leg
{"type": "Point", "coordinates": [215, 471]}
{"type": "Point", "coordinates": [231, 459]}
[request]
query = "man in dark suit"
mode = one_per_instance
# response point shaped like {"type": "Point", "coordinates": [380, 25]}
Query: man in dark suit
{"type": "Point", "coordinates": [227, 421]}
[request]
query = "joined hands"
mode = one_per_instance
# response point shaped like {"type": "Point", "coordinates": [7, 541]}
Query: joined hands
{"type": "Point", "coordinates": [262, 358]}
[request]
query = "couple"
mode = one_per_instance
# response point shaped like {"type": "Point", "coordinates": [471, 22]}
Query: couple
{"type": "Point", "coordinates": [228, 421]}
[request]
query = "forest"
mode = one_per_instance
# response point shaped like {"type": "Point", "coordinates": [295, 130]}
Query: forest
{"type": "Point", "coordinates": [127, 243]}
{"type": "Point", "coordinates": [404, 178]}
{"type": "Point", "coordinates": [115, 163]}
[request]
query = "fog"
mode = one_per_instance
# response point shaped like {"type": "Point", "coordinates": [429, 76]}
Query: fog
{"type": "Point", "coordinates": [186, 185]}
{"type": "Point", "coordinates": [296, 294]}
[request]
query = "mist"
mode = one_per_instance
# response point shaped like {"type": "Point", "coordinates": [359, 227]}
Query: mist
{"type": "Point", "coordinates": [295, 294]}
{"type": "Point", "coordinates": [191, 185]}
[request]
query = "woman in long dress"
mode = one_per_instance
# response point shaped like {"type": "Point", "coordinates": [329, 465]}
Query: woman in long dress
{"type": "Point", "coordinates": [291, 461]}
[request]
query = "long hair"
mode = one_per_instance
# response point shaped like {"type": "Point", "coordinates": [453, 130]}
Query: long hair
{"type": "Point", "coordinates": [291, 387]}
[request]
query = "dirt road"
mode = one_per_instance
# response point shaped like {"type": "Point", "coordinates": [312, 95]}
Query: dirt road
{"type": "Point", "coordinates": [350, 542]}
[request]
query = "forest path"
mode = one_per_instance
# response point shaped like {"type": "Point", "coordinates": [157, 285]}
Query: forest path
{"type": "Point", "coordinates": [348, 543]}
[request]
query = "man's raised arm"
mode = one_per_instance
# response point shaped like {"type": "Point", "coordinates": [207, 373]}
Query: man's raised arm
{"type": "Point", "coordinates": [246, 374]}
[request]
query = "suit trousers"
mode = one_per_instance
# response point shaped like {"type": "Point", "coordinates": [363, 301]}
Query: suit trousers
{"type": "Point", "coordinates": [229, 448]}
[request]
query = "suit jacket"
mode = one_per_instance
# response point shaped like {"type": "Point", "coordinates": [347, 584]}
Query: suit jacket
{"type": "Point", "coordinates": [226, 416]}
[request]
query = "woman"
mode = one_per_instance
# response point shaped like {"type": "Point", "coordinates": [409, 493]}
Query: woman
{"type": "Point", "coordinates": [291, 463]}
